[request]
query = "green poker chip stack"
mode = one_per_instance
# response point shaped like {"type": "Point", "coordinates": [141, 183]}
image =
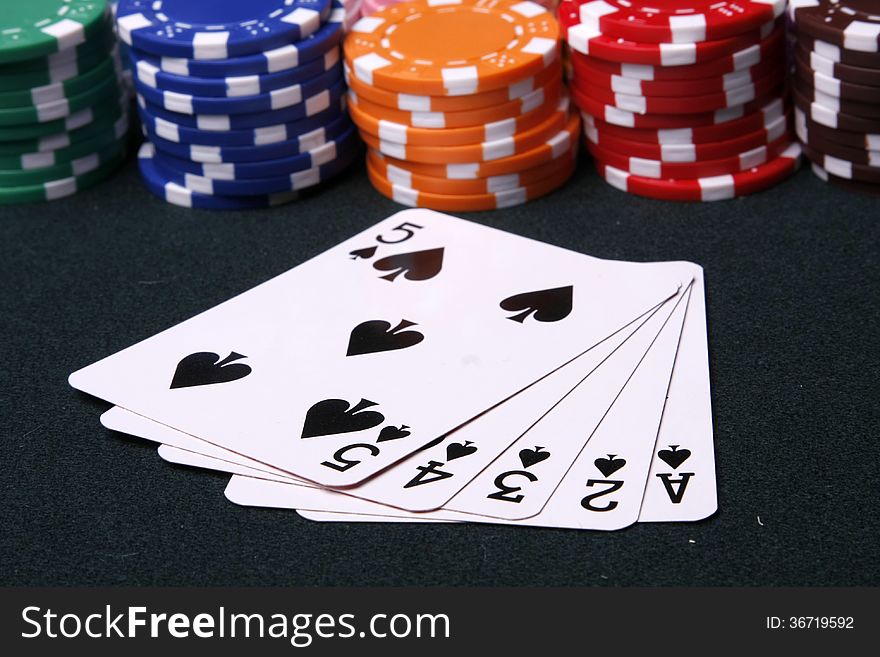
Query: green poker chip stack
{"type": "Point", "coordinates": [63, 111]}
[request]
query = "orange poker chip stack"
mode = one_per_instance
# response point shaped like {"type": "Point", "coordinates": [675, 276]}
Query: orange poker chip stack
{"type": "Point", "coordinates": [461, 104]}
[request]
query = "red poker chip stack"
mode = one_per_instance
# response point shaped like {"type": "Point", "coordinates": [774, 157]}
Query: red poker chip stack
{"type": "Point", "coordinates": [837, 89]}
{"type": "Point", "coordinates": [682, 100]}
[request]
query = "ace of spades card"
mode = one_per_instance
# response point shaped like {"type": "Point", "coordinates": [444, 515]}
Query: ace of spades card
{"type": "Point", "coordinates": [350, 362]}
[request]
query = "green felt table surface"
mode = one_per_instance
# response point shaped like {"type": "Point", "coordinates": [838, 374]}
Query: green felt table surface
{"type": "Point", "coordinates": [792, 293]}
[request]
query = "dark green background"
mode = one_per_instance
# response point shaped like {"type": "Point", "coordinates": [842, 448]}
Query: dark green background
{"type": "Point", "coordinates": [792, 280]}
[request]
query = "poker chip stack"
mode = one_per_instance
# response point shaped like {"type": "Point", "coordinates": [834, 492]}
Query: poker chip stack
{"type": "Point", "coordinates": [242, 103]}
{"type": "Point", "coordinates": [682, 100]}
{"type": "Point", "coordinates": [837, 89]}
{"type": "Point", "coordinates": [461, 103]}
{"type": "Point", "coordinates": [63, 115]}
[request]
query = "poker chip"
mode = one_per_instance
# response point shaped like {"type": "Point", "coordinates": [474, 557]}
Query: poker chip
{"type": "Point", "coordinates": [837, 104]}
{"type": "Point", "coordinates": [291, 141]}
{"type": "Point", "coordinates": [838, 54]}
{"type": "Point", "coordinates": [856, 74]}
{"type": "Point", "coordinates": [555, 147]}
{"type": "Point", "coordinates": [680, 104]}
{"type": "Point", "coordinates": [402, 175]}
{"type": "Point", "coordinates": [284, 58]}
{"type": "Point", "coordinates": [68, 148]}
{"type": "Point", "coordinates": [418, 103]}
{"type": "Point", "coordinates": [476, 152]}
{"type": "Point", "coordinates": [263, 102]}
{"type": "Point", "coordinates": [242, 104]}
{"type": "Point", "coordinates": [760, 119]}
{"type": "Point", "coordinates": [38, 28]}
{"type": "Point", "coordinates": [685, 152]}
{"type": "Point", "coordinates": [63, 111]}
{"type": "Point", "coordinates": [691, 170]}
{"type": "Point", "coordinates": [63, 187]}
{"type": "Point", "coordinates": [14, 78]}
{"type": "Point", "coordinates": [584, 36]}
{"type": "Point", "coordinates": [766, 50]}
{"type": "Point", "coordinates": [849, 24]}
{"type": "Point", "coordinates": [835, 87]}
{"type": "Point", "coordinates": [677, 21]}
{"type": "Point", "coordinates": [409, 47]}
{"type": "Point", "coordinates": [842, 168]}
{"type": "Point", "coordinates": [682, 100]}
{"type": "Point", "coordinates": [468, 202]}
{"type": "Point", "coordinates": [319, 102]}
{"type": "Point", "coordinates": [216, 29]}
{"type": "Point", "coordinates": [454, 128]}
{"type": "Point", "coordinates": [320, 154]}
{"type": "Point", "coordinates": [150, 75]}
{"type": "Point", "coordinates": [167, 188]}
{"type": "Point", "coordinates": [478, 121]}
{"type": "Point", "coordinates": [76, 167]}
{"type": "Point", "coordinates": [857, 140]}
{"type": "Point", "coordinates": [728, 83]}
{"type": "Point", "coordinates": [628, 119]}
{"type": "Point", "coordinates": [59, 91]}
{"type": "Point", "coordinates": [843, 183]}
{"type": "Point", "coordinates": [714, 188]}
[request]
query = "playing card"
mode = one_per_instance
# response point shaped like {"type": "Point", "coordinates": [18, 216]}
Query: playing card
{"type": "Point", "coordinates": [603, 488]}
{"type": "Point", "coordinates": [577, 395]}
{"type": "Point", "coordinates": [357, 358]}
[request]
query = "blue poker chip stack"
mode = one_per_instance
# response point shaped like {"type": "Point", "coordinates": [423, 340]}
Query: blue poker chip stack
{"type": "Point", "coordinates": [242, 102]}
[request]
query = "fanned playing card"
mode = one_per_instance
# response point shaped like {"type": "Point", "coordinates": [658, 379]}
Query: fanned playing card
{"type": "Point", "coordinates": [371, 351]}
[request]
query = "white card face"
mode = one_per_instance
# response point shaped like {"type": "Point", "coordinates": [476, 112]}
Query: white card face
{"type": "Point", "coordinates": [561, 410]}
{"type": "Point", "coordinates": [357, 358]}
{"type": "Point", "coordinates": [195, 460]}
{"type": "Point", "coordinates": [518, 484]}
{"type": "Point", "coordinates": [119, 419]}
{"type": "Point", "coordinates": [689, 494]}
{"type": "Point", "coordinates": [681, 485]}
{"type": "Point", "coordinates": [603, 488]}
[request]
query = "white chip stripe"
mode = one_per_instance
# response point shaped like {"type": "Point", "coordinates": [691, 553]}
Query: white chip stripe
{"type": "Point", "coordinates": [54, 110]}
{"type": "Point", "coordinates": [461, 80]}
{"type": "Point", "coordinates": [678, 54]}
{"type": "Point", "coordinates": [687, 29]}
{"type": "Point", "coordinates": [210, 45]}
{"type": "Point", "coordinates": [125, 25]}
{"type": "Point", "coordinates": [398, 176]}
{"type": "Point", "coordinates": [717, 188]}
{"type": "Point", "coordinates": [862, 36]}
{"type": "Point", "coordinates": [309, 20]}
{"type": "Point", "coordinates": [283, 58]}
{"type": "Point", "coordinates": [59, 188]}
{"type": "Point", "coordinates": [146, 73]}
{"type": "Point", "coordinates": [68, 33]}
{"type": "Point", "coordinates": [270, 134]}
{"type": "Point", "coordinates": [245, 85]}
{"type": "Point", "coordinates": [404, 196]}
{"type": "Point", "coordinates": [365, 65]}
{"type": "Point", "coordinates": [837, 167]}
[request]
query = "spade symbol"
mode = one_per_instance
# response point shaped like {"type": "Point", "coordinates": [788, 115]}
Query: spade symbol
{"type": "Point", "coordinates": [365, 253]}
{"type": "Point", "coordinates": [333, 416]}
{"type": "Point", "coordinates": [457, 450]}
{"type": "Point", "coordinates": [547, 305]}
{"type": "Point", "coordinates": [610, 465]}
{"type": "Point", "coordinates": [530, 457]}
{"type": "Point", "coordinates": [377, 335]}
{"type": "Point", "coordinates": [393, 433]}
{"type": "Point", "coordinates": [415, 266]}
{"type": "Point", "coordinates": [205, 367]}
{"type": "Point", "coordinates": [674, 456]}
